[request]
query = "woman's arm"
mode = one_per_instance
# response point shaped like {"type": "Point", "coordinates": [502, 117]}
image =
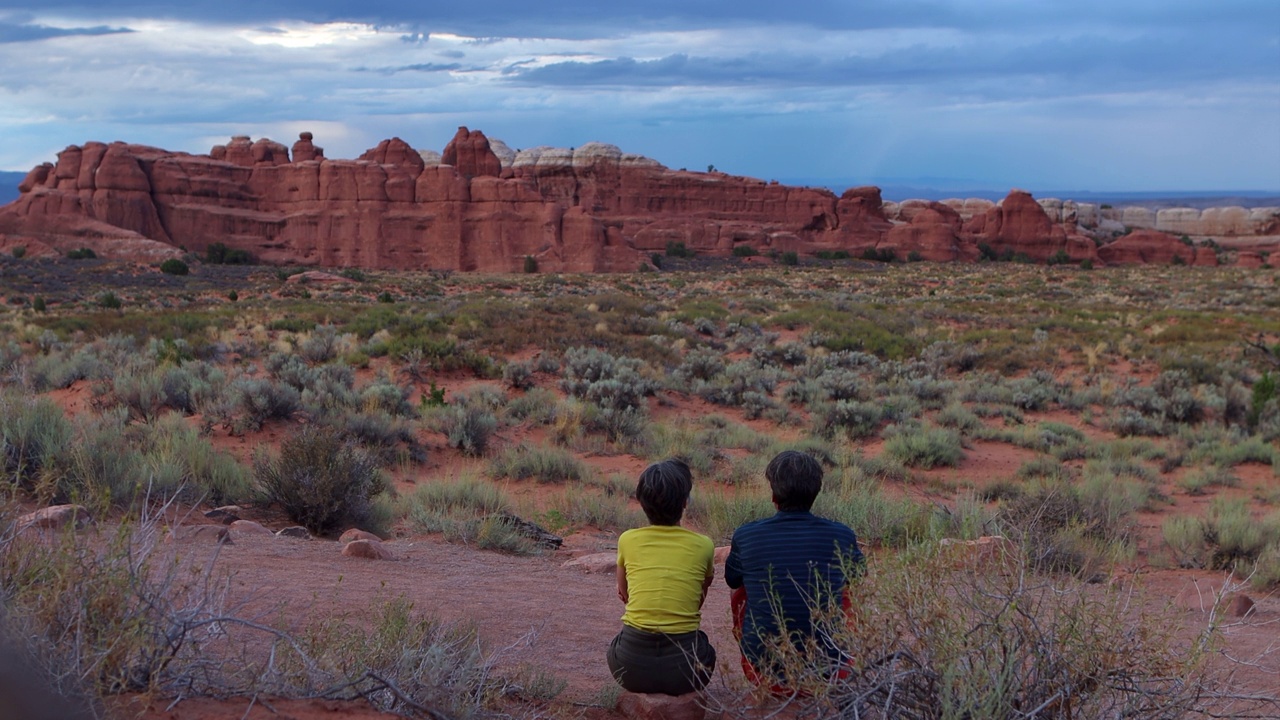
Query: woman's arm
{"type": "Point", "coordinates": [706, 584]}
{"type": "Point", "coordinates": [623, 592]}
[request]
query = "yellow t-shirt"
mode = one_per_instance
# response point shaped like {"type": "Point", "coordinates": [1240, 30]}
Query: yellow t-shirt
{"type": "Point", "coordinates": [666, 566]}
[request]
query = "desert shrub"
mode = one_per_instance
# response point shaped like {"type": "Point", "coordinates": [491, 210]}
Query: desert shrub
{"type": "Point", "coordinates": [321, 482]}
{"type": "Point", "coordinates": [108, 300]}
{"type": "Point", "coordinates": [607, 381]}
{"type": "Point", "coordinates": [544, 464]}
{"type": "Point", "coordinates": [469, 427]}
{"type": "Point", "coordinates": [180, 463]}
{"type": "Point", "coordinates": [382, 395]}
{"type": "Point", "coordinates": [1195, 481]}
{"type": "Point", "coordinates": [1006, 648]}
{"type": "Point", "coordinates": [852, 418]}
{"type": "Point", "coordinates": [959, 418]}
{"type": "Point", "coordinates": [737, 380]}
{"type": "Point", "coordinates": [518, 374]}
{"type": "Point", "coordinates": [81, 254]}
{"type": "Point", "coordinates": [1075, 529]}
{"type": "Point", "coordinates": [1264, 392]}
{"type": "Point", "coordinates": [537, 407]}
{"type": "Point", "coordinates": [467, 495]}
{"type": "Point", "coordinates": [61, 368]}
{"type": "Point", "coordinates": [104, 617]}
{"type": "Point", "coordinates": [467, 510]}
{"type": "Point", "coordinates": [101, 466]}
{"type": "Point", "coordinates": [601, 510]}
{"type": "Point", "coordinates": [1128, 423]}
{"type": "Point", "coordinates": [926, 447]}
{"type": "Point", "coordinates": [174, 266]}
{"type": "Point", "coordinates": [718, 512]}
{"type": "Point", "coordinates": [700, 364]}
{"type": "Point", "coordinates": [790, 257]}
{"type": "Point", "coordinates": [877, 518]}
{"type": "Point", "coordinates": [678, 250]}
{"type": "Point", "coordinates": [219, 254]}
{"type": "Point", "coordinates": [34, 434]}
{"type": "Point", "coordinates": [321, 345]}
{"type": "Point", "coordinates": [388, 438]}
{"type": "Point", "coordinates": [140, 389]}
{"type": "Point", "coordinates": [256, 400]}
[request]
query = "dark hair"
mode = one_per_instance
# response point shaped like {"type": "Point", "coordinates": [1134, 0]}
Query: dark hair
{"type": "Point", "coordinates": [663, 490]}
{"type": "Point", "coordinates": [795, 478]}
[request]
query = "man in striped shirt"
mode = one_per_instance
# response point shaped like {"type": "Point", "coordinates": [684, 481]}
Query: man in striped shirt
{"type": "Point", "coordinates": [793, 569]}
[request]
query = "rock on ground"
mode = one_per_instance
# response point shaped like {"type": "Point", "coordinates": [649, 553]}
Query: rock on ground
{"type": "Point", "coordinates": [368, 549]}
{"type": "Point", "coordinates": [639, 706]}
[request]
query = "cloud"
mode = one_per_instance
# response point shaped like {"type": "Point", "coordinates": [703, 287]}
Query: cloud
{"type": "Point", "coordinates": [937, 86]}
{"type": "Point", "coordinates": [19, 33]}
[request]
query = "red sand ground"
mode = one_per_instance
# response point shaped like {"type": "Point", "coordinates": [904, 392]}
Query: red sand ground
{"type": "Point", "coordinates": [567, 617]}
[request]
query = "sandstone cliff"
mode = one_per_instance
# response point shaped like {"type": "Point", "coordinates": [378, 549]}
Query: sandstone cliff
{"type": "Point", "coordinates": [478, 205]}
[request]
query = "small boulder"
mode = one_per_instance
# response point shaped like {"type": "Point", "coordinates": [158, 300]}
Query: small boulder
{"type": "Point", "coordinates": [1239, 605]}
{"type": "Point", "coordinates": [242, 529]}
{"type": "Point", "coordinates": [595, 563]}
{"type": "Point", "coordinates": [642, 706]}
{"type": "Point", "coordinates": [226, 514]}
{"type": "Point", "coordinates": [56, 517]}
{"type": "Point", "coordinates": [357, 534]}
{"type": "Point", "coordinates": [297, 532]}
{"type": "Point", "coordinates": [368, 549]}
{"type": "Point", "coordinates": [199, 533]}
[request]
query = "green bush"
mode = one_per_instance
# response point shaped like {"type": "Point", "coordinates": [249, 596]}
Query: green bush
{"type": "Point", "coordinates": [174, 266]}
{"type": "Point", "coordinates": [18, 252]}
{"type": "Point", "coordinates": [925, 447]}
{"type": "Point", "coordinates": [34, 435]}
{"type": "Point", "coordinates": [109, 301]}
{"type": "Point", "coordinates": [81, 254]}
{"type": "Point", "coordinates": [219, 254]}
{"type": "Point", "coordinates": [321, 482]}
{"type": "Point", "coordinates": [678, 250]}
{"type": "Point", "coordinates": [469, 427]}
{"type": "Point", "coordinates": [789, 257]}
{"type": "Point", "coordinates": [530, 264]}
{"type": "Point", "coordinates": [744, 251]}
{"type": "Point", "coordinates": [544, 464]}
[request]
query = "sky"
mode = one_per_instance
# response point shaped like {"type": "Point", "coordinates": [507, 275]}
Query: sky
{"type": "Point", "coordinates": [1089, 95]}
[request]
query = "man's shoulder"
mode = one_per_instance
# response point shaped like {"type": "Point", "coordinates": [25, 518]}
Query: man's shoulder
{"type": "Point", "coordinates": [755, 526]}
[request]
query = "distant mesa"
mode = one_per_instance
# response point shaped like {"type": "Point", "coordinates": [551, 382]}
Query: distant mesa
{"type": "Point", "coordinates": [478, 205]}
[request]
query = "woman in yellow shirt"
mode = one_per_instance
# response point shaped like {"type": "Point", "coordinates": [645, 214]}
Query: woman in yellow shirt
{"type": "Point", "coordinates": [664, 571]}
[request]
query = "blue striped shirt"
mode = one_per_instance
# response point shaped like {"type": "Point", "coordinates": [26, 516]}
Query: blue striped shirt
{"type": "Point", "coordinates": [791, 564]}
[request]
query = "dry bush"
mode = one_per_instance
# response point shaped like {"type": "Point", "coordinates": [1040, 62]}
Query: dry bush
{"type": "Point", "coordinates": [931, 639]}
{"type": "Point", "coordinates": [321, 482]}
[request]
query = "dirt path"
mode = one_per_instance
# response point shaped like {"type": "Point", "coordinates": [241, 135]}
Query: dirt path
{"type": "Point", "coordinates": [568, 615]}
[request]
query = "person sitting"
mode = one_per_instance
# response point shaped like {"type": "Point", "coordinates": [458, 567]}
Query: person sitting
{"type": "Point", "coordinates": [787, 570]}
{"type": "Point", "coordinates": [664, 571]}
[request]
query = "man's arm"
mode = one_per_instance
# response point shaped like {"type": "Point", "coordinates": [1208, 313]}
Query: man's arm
{"type": "Point", "coordinates": [706, 583]}
{"type": "Point", "coordinates": [624, 592]}
{"type": "Point", "coordinates": [733, 566]}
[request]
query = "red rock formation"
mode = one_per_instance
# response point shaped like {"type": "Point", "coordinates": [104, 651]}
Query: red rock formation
{"type": "Point", "coordinates": [470, 152]}
{"type": "Point", "coordinates": [589, 209]}
{"type": "Point", "coordinates": [1020, 225]}
{"type": "Point", "coordinates": [1146, 247]}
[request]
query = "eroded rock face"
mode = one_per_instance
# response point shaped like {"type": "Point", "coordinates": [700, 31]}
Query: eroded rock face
{"type": "Point", "coordinates": [480, 206]}
{"type": "Point", "coordinates": [1147, 247]}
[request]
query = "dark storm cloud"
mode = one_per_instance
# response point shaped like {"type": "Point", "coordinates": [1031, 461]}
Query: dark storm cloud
{"type": "Point", "coordinates": [16, 33]}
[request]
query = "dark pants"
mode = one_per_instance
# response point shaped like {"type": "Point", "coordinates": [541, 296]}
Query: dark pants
{"type": "Point", "coordinates": [645, 662]}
